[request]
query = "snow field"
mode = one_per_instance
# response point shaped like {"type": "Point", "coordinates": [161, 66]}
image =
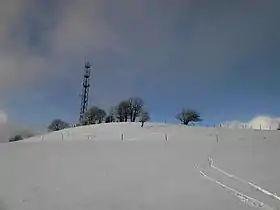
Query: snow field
{"type": "Point", "coordinates": [92, 167]}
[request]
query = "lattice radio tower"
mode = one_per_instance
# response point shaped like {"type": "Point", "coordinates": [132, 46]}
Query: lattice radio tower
{"type": "Point", "coordinates": [85, 90]}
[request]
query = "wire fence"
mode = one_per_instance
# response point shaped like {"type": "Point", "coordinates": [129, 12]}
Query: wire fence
{"type": "Point", "coordinates": [92, 136]}
{"type": "Point", "coordinates": [246, 126]}
{"type": "Point", "coordinates": [160, 132]}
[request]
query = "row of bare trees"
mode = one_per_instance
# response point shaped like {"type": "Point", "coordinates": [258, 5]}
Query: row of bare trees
{"type": "Point", "coordinates": [131, 109]}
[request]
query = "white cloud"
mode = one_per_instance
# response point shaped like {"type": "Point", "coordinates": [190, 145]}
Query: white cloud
{"type": "Point", "coordinates": [8, 129]}
{"type": "Point", "coordinates": [4, 130]}
{"type": "Point", "coordinates": [258, 122]}
{"type": "Point", "coordinates": [3, 117]}
{"type": "Point", "coordinates": [265, 122]}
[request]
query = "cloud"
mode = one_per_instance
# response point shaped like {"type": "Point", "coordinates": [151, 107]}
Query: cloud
{"type": "Point", "coordinates": [258, 122]}
{"type": "Point", "coordinates": [265, 122]}
{"type": "Point", "coordinates": [4, 132]}
{"type": "Point", "coordinates": [9, 129]}
{"type": "Point", "coordinates": [18, 64]}
{"type": "Point", "coordinates": [3, 117]}
{"type": "Point", "coordinates": [147, 41]}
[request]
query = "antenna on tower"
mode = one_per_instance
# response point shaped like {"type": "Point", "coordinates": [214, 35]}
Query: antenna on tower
{"type": "Point", "coordinates": [85, 90]}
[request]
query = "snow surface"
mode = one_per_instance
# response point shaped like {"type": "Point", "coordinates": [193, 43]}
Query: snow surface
{"type": "Point", "coordinates": [123, 166]}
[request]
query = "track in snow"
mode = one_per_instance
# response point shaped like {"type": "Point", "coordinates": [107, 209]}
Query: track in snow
{"type": "Point", "coordinates": [242, 196]}
{"type": "Point", "coordinates": [254, 186]}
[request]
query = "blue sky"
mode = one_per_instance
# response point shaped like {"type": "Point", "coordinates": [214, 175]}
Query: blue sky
{"type": "Point", "coordinates": [219, 57]}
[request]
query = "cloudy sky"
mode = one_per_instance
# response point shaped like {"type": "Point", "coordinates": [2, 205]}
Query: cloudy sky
{"type": "Point", "coordinates": [220, 57]}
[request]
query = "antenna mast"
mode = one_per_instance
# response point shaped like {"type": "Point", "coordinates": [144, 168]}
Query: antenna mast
{"type": "Point", "coordinates": [85, 90]}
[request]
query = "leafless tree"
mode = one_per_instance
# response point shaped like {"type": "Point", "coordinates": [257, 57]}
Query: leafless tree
{"type": "Point", "coordinates": [94, 115]}
{"type": "Point", "coordinates": [144, 117]}
{"type": "Point", "coordinates": [135, 107]}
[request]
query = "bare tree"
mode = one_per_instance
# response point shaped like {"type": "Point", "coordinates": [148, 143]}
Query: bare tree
{"type": "Point", "coordinates": [94, 115]}
{"type": "Point", "coordinates": [144, 117]}
{"type": "Point", "coordinates": [123, 111]}
{"type": "Point", "coordinates": [57, 125]}
{"type": "Point", "coordinates": [15, 138]}
{"type": "Point", "coordinates": [135, 107]}
{"type": "Point", "coordinates": [188, 115]}
{"type": "Point", "coordinates": [111, 117]}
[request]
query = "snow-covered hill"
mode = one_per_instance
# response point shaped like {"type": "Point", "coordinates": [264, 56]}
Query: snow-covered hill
{"type": "Point", "coordinates": [123, 166]}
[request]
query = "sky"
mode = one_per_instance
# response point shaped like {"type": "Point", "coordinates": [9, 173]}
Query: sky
{"type": "Point", "coordinates": [219, 57]}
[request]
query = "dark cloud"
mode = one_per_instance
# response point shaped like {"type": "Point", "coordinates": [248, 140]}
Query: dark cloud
{"type": "Point", "coordinates": [153, 41]}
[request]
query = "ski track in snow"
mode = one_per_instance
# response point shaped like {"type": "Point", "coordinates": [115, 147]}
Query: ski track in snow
{"type": "Point", "coordinates": [244, 198]}
{"type": "Point", "coordinates": [256, 187]}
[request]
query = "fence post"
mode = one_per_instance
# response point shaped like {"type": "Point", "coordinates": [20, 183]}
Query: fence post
{"type": "Point", "coordinates": [122, 137]}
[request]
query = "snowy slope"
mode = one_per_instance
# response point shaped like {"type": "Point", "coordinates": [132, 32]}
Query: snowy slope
{"type": "Point", "coordinates": [124, 166]}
